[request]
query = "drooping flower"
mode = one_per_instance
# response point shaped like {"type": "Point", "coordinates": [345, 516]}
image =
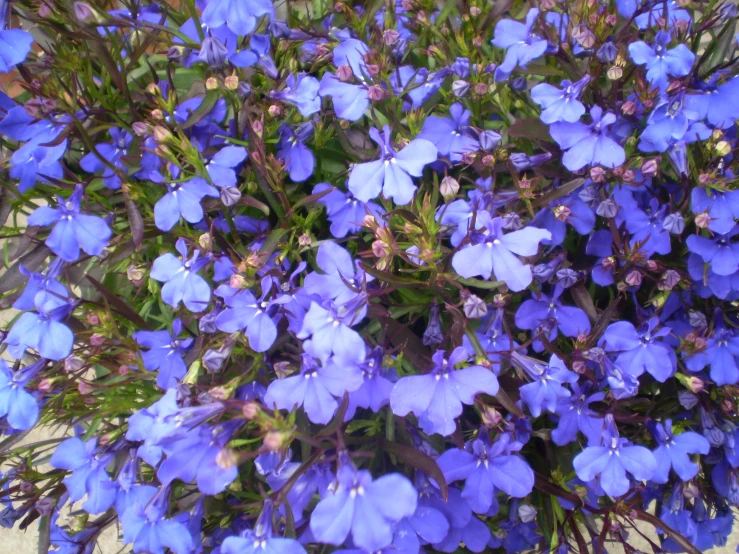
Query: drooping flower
{"type": "Point", "coordinates": [486, 467]}
{"type": "Point", "coordinates": [165, 352]}
{"type": "Point", "coordinates": [360, 508]}
{"type": "Point", "coordinates": [436, 398]}
{"type": "Point", "coordinates": [560, 104]}
{"type": "Point", "coordinates": [588, 144]}
{"type": "Point", "coordinates": [492, 251]}
{"type": "Point", "coordinates": [521, 43]}
{"type": "Point", "coordinates": [181, 280]}
{"type": "Point", "coordinates": [350, 100]}
{"type": "Point", "coordinates": [391, 174]}
{"type": "Point", "coordinates": [673, 451]}
{"type": "Point", "coordinates": [72, 230]}
{"type": "Point", "coordinates": [660, 61]}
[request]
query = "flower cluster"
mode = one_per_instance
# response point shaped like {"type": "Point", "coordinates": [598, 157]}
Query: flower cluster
{"type": "Point", "coordinates": [367, 277]}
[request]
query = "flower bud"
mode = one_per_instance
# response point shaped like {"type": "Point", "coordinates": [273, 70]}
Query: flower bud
{"type": "Point", "coordinates": [162, 134]}
{"type": "Point", "coordinates": [702, 220]}
{"type": "Point", "coordinates": [607, 208]}
{"type": "Point", "coordinates": [650, 168]}
{"type": "Point", "coordinates": [83, 11]}
{"type": "Point", "coordinates": [481, 89]}
{"type": "Point", "coordinates": [375, 93]}
{"type": "Point", "coordinates": [527, 513]}
{"type": "Point", "coordinates": [273, 441]}
{"type": "Point", "coordinates": [227, 458]}
{"type": "Point", "coordinates": [674, 224]}
{"type": "Point", "coordinates": [305, 240]}
{"type": "Point", "coordinates": [489, 140]}
{"type": "Point", "coordinates": [460, 88]}
{"type": "Point", "coordinates": [474, 307]}
{"type": "Point", "coordinates": [634, 278]}
{"type": "Point", "coordinates": [490, 417]}
{"type": "Point", "coordinates": [84, 387]}
{"type": "Point", "coordinates": [449, 187]}
{"type": "Point", "coordinates": [598, 174]}
{"type": "Point", "coordinates": [390, 37]}
{"type": "Point", "coordinates": [250, 410]}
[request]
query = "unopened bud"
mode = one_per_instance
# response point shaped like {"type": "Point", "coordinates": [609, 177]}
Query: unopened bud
{"type": "Point", "coordinates": [84, 387]}
{"type": "Point", "coordinates": [702, 220]}
{"type": "Point", "coordinates": [211, 83]}
{"type": "Point", "coordinates": [250, 410]}
{"type": "Point", "coordinates": [598, 174]}
{"type": "Point", "coordinates": [490, 417]}
{"type": "Point", "coordinates": [634, 278]}
{"type": "Point", "coordinates": [231, 82]}
{"type": "Point", "coordinates": [527, 513]}
{"type": "Point", "coordinates": [273, 441]}
{"type": "Point", "coordinates": [449, 187]}
{"type": "Point", "coordinates": [390, 37]}
{"type": "Point", "coordinates": [474, 307]}
{"type": "Point", "coordinates": [460, 88]}
{"type": "Point", "coordinates": [650, 168]}
{"type": "Point", "coordinates": [162, 134]}
{"type": "Point", "coordinates": [227, 458]}
{"type": "Point", "coordinates": [375, 93]}
{"type": "Point", "coordinates": [274, 110]}
{"type": "Point", "coordinates": [481, 89]}
{"type": "Point", "coordinates": [305, 240]}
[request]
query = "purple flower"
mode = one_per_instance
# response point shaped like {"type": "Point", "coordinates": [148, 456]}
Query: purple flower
{"type": "Point", "coordinates": [548, 316]}
{"type": "Point", "coordinates": [656, 11]}
{"type": "Point", "coordinates": [642, 350]}
{"type": "Point", "coordinates": [437, 397]}
{"type": "Point", "coordinates": [181, 280]}
{"type": "Point", "coordinates": [72, 229]}
{"type": "Point", "coordinates": [360, 507]}
{"type": "Point", "coordinates": [344, 211]}
{"type": "Point", "coordinates": [588, 144]}
{"type": "Point", "coordinates": [88, 473]}
{"type": "Point", "coordinates": [243, 312]}
{"type": "Point", "coordinates": [546, 390]}
{"type": "Point", "coordinates": [31, 163]}
{"type": "Point", "coordinates": [221, 166]}
{"type": "Point", "coordinates": [451, 135]}
{"type": "Point", "coordinates": [330, 328]}
{"type": "Point", "coordinates": [418, 84]}
{"type": "Point", "coordinates": [302, 91]}
{"type": "Point", "coordinates": [391, 174]}
{"type": "Point", "coordinates": [670, 123]}
{"type": "Point", "coordinates": [560, 104]}
{"type": "Point", "coordinates": [239, 15]}
{"type": "Point", "coordinates": [165, 353]}
{"type": "Point", "coordinates": [522, 44]}
{"type": "Point", "coordinates": [490, 250]}
{"type": "Point", "coordinates": [719, 252]}
{"type": "Point", "coordinates": [297, 157]}
{"type": "Point", "coordinates": [151, 424]}
{"type": "Point", "coordinates": [611, 462]}
{"type": "Point", "coordinates": [318, 385]}
{"type": "Point", "coordinates": [486, 467]}
{"type": "Point", "coordinates": [43, 291]}
{"type": "Point", "coordinates": [559, 213]}
{"type": "Point", "coordinates": [660, 61]}
{"type": "Point", "coordinates": [673, 452]}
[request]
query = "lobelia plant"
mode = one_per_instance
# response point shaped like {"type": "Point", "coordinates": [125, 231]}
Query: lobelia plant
{"type": "Point", "coordinates": [359, 277]}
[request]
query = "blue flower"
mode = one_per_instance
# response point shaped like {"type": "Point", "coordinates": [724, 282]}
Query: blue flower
{"type": "Point", "coordinates": [239, 15]}
{"type": "Point", "coordinates": [437, 397]}
{"type": "Point", "coordinates": [42, 331]}
{"type": "Point", "coordinates": [451, 135]}
{"type": "Point", "coordinates": [391, 174]}
{"type": "Point", "coordinates": [181, 280]}
{"type": "Point", "coordinates": [329, 326]}
{"type": "Point", "coordinates": [261, 539]}
{"type": "Point", "coordinates": [344, 211]}
{"type": "Point", "coordinates": [720, 353]}
{"type": "Point", "coordinates": [374, 392]}
{"type": "Point", "coordinates": [417, 84]}
{"type": "Point", "coordinates": [43, 291]}
{"type": "Point", "coordinates": [558, 213]}
{"type": "Point", "coordinates": [588, 144]}
{"type": "Point", "coordinates": [642, 350]}
{"type": "Point", "coordinates": [145, 526]}
{"type": "Point", "coordinates": [575, 415]}
{"type": "Point", "coordinates": [560, 104]}
{"type": "Point", "coordinates": [611, 462]}
{"type": "Point", "coordinates": [221, 166]}
{"type": "Point", "coordinates": [672, 121]}
{"type": "Point", "coordinates": [549, 316]}
{"type": "Point", "coordinates": [660, 61]}
{"type": "Point", "coordinates": [546, 390]}
{"type": "Point", "coordinates": [522, 44]}
{"type": "Point", "coordinates": [719, 252]}
{"type": "Point", "coordinates": [673, 451]}
{"type": "Point", "coordinates": [112, 154]}
{"type": "Point", "coordinates": [165, 353]}
{"type": "Point", "coordinates": [16, 403]}
{"type": "Point", "coordinates": [722, 207]}
{"type": "Point", "coordinates": [15, 45]}
{"type": "Point", "coordinates": [486, 467]}
{"type": "Point", "coordinates": [491, 251]}
{"type": "Point", "coordinates": [350, 100]}
{"type": "Point", "coordinates": [88, 473]}
{"type": "Point", "coordinates": [301, 90]}
{"type": "Point", "coordinates": [182, 199]}
{"type": "Point", "coordinates": [318, 385]}
{"type": "Point", "coordinates": [655, 14]}
{"type": "Point", "coordinates": [32, 162]}
{"type": "Point", "coordinates": [360, 508]}
{"type": "Point", "coordinates": [291, 150]}
{"type": "Point", "coordinates": [72, 229]}
{"type": "Point", "coordinates": [199, 456]}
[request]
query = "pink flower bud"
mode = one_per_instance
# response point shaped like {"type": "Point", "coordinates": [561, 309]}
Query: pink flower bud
{"type": "Point", "coordinates": [344, 72]}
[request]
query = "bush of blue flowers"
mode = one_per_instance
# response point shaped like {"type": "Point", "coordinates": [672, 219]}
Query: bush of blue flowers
{"type": "Point", "coordinates": [370, 277]}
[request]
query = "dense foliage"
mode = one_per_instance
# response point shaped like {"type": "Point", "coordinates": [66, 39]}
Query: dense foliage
{"type": "Point", "coordinates": [407, 276]}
